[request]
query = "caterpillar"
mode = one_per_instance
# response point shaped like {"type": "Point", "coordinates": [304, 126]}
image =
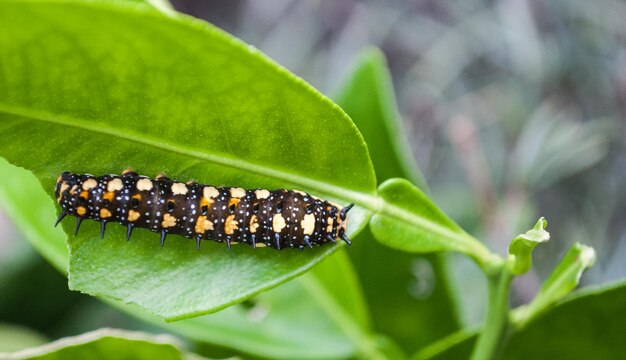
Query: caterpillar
{"type": "Point", "coordinates": [278, 218]}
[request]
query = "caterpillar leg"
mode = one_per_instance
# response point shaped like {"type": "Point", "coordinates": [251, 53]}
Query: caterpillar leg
{"type": "Point", "coordinates": [63, 214]}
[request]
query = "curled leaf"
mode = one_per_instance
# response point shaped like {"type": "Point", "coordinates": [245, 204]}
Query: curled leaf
{"type": "Point", "coordinates": [521, 248]}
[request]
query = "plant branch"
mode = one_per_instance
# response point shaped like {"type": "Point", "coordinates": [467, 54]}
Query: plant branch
{"type": "Point", "coordinates": [496, 321]}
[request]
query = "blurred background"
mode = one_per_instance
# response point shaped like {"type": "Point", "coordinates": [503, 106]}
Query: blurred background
{"type": "Point", "coordinates": [514, 109]}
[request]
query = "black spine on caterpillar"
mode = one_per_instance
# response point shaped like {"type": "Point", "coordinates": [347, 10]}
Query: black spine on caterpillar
{"type": "Point", "coordinates": [278, 218]}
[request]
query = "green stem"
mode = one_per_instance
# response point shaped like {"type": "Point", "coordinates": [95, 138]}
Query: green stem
{"type": "Point", "coordinates": [496, 322]}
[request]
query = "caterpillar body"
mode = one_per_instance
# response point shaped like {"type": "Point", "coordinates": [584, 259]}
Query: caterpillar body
{"type": "Point", "coordinates": [278, 218]}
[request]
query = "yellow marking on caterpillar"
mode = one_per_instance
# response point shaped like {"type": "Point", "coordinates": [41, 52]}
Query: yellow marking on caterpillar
{"type": "Point", "coordinates": [330, 221]}
{"type": "Point", "coordinates": [115, 185]}
{"type": "Point", "coordinates": [262, 194]}
{"type": "Point", "coordinates": [230, 225]}
{"type": "Point", "coordinates": [73, 190]}
{"type": "Point", "coordinates": [203, 224]}
{"type": "Point", "coordinates": [233, 201]}
{"type": "Point", "coordinates": [278, 223]}
{"type": "Point", "coordinates": [237, 192]}
{"type": "Point", "coordinates": [144, 185]}
{"type": "Point", "coordinates": [133, 215]}
{"type": "Point", "coordinates": [308, 224]}
{"type": "Point", "coordinates": [108, 196]}
{"type": "Point", "coordinates": [253, 224]}
{"type": "Point", "coordinates": [168, 221]}
{"type": "Point", "coordinates": [210, 192]}
{"type": "Point", "coordinates": [104, 213]}
{"type": "Point", "coordinates": [81, 210]}
{"type": "Point", "coordinates": [89, 184]}
{"type": "Point", "coordinates": [179, 189]}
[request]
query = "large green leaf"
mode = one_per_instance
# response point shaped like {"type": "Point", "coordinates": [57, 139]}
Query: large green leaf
{"type": "Point", "coordinates": [106, 344]}
{"type": "Point", "coordinates": [263, 329]}
{"type": "Point", "coordinates": [168, 94]}
{"type": "Point", "coordinates": [407, 293]}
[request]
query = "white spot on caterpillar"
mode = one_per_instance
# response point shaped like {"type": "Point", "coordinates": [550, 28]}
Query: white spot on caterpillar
{"type": "Point", "coordinates": [179, 189]}
{"type": "Point", "coordinates": [278, 223]}
{"type": "Point", "coordinates": [308, 224]}
{"type": "Point", "coordinates": [262, 194]}
{"type": "Point", "coordinates": [144, 185]}
{"type": "Point", "coordinates": [210, 192]}
{"type": "Point", "coordinates": [115, 185]}
{"type": "Point", "coordinates": [89, 184]}
{"type": "Point", "coordinates": [237, 192]}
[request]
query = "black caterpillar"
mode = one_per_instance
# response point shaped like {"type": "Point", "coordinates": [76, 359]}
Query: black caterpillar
{"type": "Point", "coordinates": [278, 219]}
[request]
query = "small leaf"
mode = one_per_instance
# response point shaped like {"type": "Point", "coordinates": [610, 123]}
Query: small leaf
{"type": "Point", "coordinates": [108, 344]}
{"type": "Point", "coordinates": [561, 282]}
{"type": "Point", "coordinates": [521, 248]}
{"type": "Point", "coordinates": [411, 222]}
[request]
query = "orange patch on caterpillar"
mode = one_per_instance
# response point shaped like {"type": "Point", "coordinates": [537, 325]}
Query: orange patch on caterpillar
{"type": "Point", "coordinates": [90, 184]}
{"type": "Point", "coordinates": [230, 225]}
{"type": "Point", "coordinates": [81, 210]}
{"type": "Point", "coordinates": [133, 215]}
{"type": "Point", "coordinates": [233, 201]}
{"type": "Point", "coordinates": [203, 224]}
{"type": "Point", "coordinates": [168, 221]}
{"type": "Point", "coordinates": [206, 202]}
{"type": "Point", "coordinates": [84, 194]}
{"type": "Point", "coordinates": [253, 224]}
{"type": "Point", "coordinates": [108, 196]}
{"type": "Point", "coordinates": [105, 213]}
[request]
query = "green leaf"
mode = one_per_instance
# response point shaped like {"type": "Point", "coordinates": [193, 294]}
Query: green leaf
{"type": "Point", "coordinates": [108, 344]}
{"type": "Point", "coordinates": [408, 294]}
{"type": "Point", "coordinates": [168, 94]}
{"type": "Point", "coordinates": [415, 224]}
{"type": "Point", "coordinates": [263, 329]}
{"type": "Point", "coordinates": [561, 282]}
{"type": "Point", "coordinates": [521, 248]}
{"type": "Point", "coordinates": [14, 338]}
